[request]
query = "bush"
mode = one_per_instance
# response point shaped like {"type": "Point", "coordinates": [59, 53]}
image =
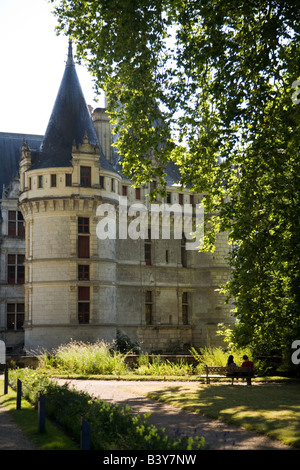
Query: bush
{"type": "Point", "coordinates": [124, 345]}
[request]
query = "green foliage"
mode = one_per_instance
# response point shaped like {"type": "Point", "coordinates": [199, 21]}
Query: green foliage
{"type": "Point", "coordinates": [219, 357]}
{"type": "Point", "coordinates": [209, 85]}
{"type": "Point", "coordinates": [112, 427]}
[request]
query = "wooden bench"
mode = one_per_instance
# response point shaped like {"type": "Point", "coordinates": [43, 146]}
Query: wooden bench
{"type": "Point", "coordinates": [232, 373]}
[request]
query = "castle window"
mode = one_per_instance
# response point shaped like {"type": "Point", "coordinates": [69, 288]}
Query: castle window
{"type": "Point", "coordinates": [68, 179]}
{"type": "Point", "coordinates": [53, 181]}
{"type": "Point", "coordinates": [124, 190]}
{"type": "Point", "coordinates": [183, 252]}
{"type": "Point", "coordinates": [153, 186]}
{"type": "Point", "coordinates": [15, 316]}
{"type": "Point", "coordinates": [148, 249]}
{"type": "Point", "coordinates": [83, 237]}
{"type": "Point", "coordinates": [83, 272]}
{"type": "Point", "coordinates": [85, 176]}
{"type": "Point", "coordinates": [168, 198]}
{"type": "Point", "coordinates": [101, 182]}
{"type": "Point", "coordinates": [16, 224]}
{"type": "Point", "coordinates": [185, 308]}
{"type": "Point", "coordinates": [137, 193]}
{"type": "Point", "coordinates": [83, 247]}
{"type": "Point", "coordinates": [83, 225]}
{"type": "Point", "coordinates": [180, 198]}
{"type": "Point", "coordinates": [40, 181]}
{"type": "Point", "coordinates": [15, 269]}
{"type": "Point", "coordinates": [148, 308]}
{"type": "Point", "coordinates": [83, 304]}
{"type": "Point", "coordinates": [112, 185]}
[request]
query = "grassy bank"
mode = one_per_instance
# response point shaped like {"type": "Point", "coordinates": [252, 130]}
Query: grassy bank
{"type": "Point", "coordinates": [27, 418]}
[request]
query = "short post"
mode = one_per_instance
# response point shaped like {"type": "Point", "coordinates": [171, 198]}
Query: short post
{"type": "Point", "coordinates": [41, 412]}
{"type": "Point", "coordinates": [5, 381]}
{"type": "Point", "coordinates": [19, 394]}
{"type": "Point", "coordinates": [85, 438]}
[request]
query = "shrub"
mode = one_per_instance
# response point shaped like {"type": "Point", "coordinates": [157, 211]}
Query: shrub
{"type": "Point", "coordinates": [124, 345]}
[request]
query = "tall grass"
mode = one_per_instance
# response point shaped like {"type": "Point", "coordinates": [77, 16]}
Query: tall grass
{"type": "Point", "coordinates": [101, 358]}
{"type": "Point", "coordinates": [159, 367]}
{"type": "Point", "coordinates": [86, 358]}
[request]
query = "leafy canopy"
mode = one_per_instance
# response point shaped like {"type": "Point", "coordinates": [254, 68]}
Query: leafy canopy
{"type": "Point", "coordinates": [209, 84]}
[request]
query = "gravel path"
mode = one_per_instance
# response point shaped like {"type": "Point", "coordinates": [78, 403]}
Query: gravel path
{"type": "Point", "coordinates": [11, 436]}
{"type": "Point", "coordinates": [218, 435]}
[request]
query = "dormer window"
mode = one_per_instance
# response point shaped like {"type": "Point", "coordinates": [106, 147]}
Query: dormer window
{"type": "Point", "coordinates": [16, 224]}
{"type": "Point", "coordinates": [85, 176]}
{"type": "Point", "coordinates": [53, 181]}
{"type": "Point", "coordinates": [68, 179]}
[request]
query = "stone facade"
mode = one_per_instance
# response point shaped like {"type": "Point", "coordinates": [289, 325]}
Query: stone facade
{"type": "Point", "coordinates": [82, 287]}
{"type": "Point", "coordinates": [12, 306]}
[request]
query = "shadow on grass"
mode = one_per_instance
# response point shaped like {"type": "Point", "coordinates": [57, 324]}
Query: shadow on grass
{"type": "Point", "coordinates": [273, 410]}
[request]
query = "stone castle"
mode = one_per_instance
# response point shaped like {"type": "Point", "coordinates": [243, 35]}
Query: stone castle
{"type": "Point", "coordinates": [61, 281]}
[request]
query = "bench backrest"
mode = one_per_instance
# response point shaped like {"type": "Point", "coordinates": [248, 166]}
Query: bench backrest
{"type": "Point", "coordinates": [228, 370]}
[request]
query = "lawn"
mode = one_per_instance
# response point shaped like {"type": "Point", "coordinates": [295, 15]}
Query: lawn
{"type": "Point", "coordinates": [270, 409]}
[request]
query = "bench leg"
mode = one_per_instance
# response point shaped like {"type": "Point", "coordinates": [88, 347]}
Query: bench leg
{"type": "Point", "coordinates": [248, 380]}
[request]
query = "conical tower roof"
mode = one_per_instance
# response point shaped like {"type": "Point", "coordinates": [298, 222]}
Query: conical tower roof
{"type": "Point", "coordinates": [70, 121]}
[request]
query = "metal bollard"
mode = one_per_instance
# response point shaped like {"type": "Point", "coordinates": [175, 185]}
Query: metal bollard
{"type": "Point", "coordinates": [41, 413]}
{"type": "Point", "coordinates": [5, 381]}
{"type": "Point", "coordinates": [19, 394]}
{"type": "Point", "coordinates": [85, 438]}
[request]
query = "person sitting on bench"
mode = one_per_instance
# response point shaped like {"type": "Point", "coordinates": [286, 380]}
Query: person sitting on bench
{"type": "Point", "coordinates": [249, 364]}
{"type": "Point", "coordinates": [231, 364]}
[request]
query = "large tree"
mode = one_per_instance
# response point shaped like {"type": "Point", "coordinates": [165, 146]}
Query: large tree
{"type": "Point", "coordinates": [210, 84]}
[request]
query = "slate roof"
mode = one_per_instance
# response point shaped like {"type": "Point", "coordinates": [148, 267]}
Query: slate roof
{"type": "Point", "coordinates": [69, 122]}
{"type": "Point", "coordinates": [10, 152]}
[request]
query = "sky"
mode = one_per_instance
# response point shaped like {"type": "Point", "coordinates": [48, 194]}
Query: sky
{"type": "Point", "coordinates": [32, 63]}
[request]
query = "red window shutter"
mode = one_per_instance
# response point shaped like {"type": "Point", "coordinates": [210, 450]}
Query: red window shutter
{"type": "Point", "coordinates": [83, 293]}
{"type": "Point", "coordinates": [83, 246]}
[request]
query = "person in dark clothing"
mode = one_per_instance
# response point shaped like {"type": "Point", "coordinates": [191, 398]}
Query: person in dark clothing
{"type": "Point", "coordinates": [231, 364]}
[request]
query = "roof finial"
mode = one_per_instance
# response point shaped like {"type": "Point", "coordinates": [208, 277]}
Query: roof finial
{"type": "Point", "coordinates": [70, 60]}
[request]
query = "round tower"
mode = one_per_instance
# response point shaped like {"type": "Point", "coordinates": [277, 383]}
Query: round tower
{"type": "Point", "coordinates": [60, 192]}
